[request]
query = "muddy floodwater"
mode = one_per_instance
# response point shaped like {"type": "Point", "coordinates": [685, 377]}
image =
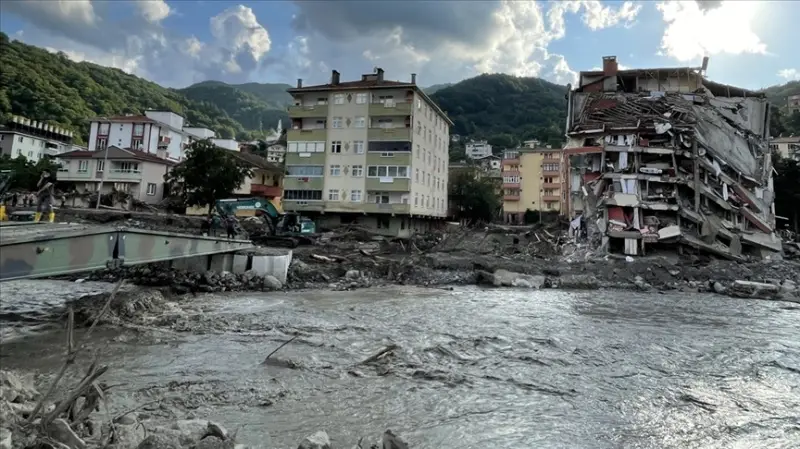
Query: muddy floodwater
{"type": "Point", "coordinates": [474, 368]}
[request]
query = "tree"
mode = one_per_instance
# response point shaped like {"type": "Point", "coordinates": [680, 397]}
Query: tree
{"type": "Point", "coordinates": [475, 199]}
{"type": "Point", "coordinates": [209, 173]}
{"type": "Point", "coordinates": [27, 173]}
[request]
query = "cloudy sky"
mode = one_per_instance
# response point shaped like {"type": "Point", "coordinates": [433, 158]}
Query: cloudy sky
{"type": "Point", "coordinates": [176, 43]}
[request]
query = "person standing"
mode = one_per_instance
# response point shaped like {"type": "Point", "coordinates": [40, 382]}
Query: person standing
{"type": "Point", "coordinates": [45, 196]}
{"type": "Point", "coordinates": [216, 224]}
{"type": "Point", "coordinates": [230, 225]}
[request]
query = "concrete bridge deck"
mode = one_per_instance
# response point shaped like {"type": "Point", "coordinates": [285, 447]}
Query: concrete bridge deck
{"type": "Point", "coordinates": [30, 250]}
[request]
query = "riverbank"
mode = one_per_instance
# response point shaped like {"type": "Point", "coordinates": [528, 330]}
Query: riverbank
{"type": "Point", "coordinates": [533, 257]}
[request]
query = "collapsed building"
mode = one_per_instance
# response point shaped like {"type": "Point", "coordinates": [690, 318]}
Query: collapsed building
{"type": "Point", "coordinates": [666, 158]}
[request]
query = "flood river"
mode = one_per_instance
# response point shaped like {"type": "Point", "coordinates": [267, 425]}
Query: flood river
{"type": "Point", "coordinates": [474, 368]}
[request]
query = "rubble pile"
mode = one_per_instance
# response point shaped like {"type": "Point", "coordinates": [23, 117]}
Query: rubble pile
{"type": "Point", "coordinates": [671, 166]}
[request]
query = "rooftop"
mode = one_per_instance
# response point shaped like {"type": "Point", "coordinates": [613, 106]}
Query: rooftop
{"type": "Point", "coordinates": [115, 152]}
{"type": "Point", "coordinates": [124, 118]}
{"type": "Point", "coordinates": [790, 139]}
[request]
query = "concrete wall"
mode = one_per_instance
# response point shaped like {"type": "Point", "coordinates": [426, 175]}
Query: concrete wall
{"type": "Point", "coordinates": [263, 265]}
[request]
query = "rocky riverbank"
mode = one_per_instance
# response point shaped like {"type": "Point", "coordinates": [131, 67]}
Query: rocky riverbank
{"type": "Point", "coordinates": [28, 421]}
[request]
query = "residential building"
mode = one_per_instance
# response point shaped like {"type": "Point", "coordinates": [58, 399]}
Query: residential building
{"type": "Point", "coordinates": [136, 172]}
{"type": "Point", "coordinates": [228, 144]}
{"type": "Point", "coordinates": [479, 149]}
{"type": "Point", "coordinates": [372, 151]}
{"type": "Point", "coordinates": [533, 143]}
{"type": "Point", "coordinates": [663, 159]}
{"type": "Point", "coordinates": [265, 182]}
{"type": "Point", "coordinates": [149, 133]}
{"type": "Point", "coordinates": [490, 162]}
{"type": "Point", "coordinates": [199, 133]}
{"type": "Point", "coordinates": [793, 103]}
{"type": "Point", "coordinates": [532, 180]}
{"type": "Point", "coordinates": [787, 147]}
{"type": "Point", "coordinates": [33, 140]}
{"type": "Point", "coordinates": [276, 153]}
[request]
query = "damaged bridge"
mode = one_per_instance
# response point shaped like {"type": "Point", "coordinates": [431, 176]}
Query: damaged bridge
{"type": "Point", "coordinates": [665, 157]}
{"type": "Point", "coordinates": [31, 250]}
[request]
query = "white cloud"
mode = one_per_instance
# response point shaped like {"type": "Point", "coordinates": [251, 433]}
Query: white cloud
{"type": "Point", "coordinates": [447, 41]}
{"type": "Point", "coordinates": [153, 10]}
{"type": "Point", "coordinates": [789, 74]}
{"type": "Point", "coordinates": [693, 31]}
{"type": "Point", "coordinates": [141, 45]}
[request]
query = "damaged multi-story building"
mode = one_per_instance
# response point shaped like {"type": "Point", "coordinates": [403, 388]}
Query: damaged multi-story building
{"type": "Point", "coordinates": [665, 158]}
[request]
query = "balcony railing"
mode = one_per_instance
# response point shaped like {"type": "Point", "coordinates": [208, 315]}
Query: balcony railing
{"type": "Point", "coordinates": [390, 109]}
{"type": "Point", "coordinates": [389, 134]}
{"type": "Point", "coordinates": [510, 197]}
{"type": "Point", "coordinates": [268, 191]}
{"type": "Point", "coordinates": [309, 135]}
{"type": "Point", "coordinates": [551, 198]}
{"type": "Point", "coordinates": [310, 111]}
{"type": "Point", "coordinates": [511, 185]}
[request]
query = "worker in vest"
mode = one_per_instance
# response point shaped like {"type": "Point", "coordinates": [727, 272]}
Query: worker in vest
{"type": "Point", "coordinates": [45, 196]}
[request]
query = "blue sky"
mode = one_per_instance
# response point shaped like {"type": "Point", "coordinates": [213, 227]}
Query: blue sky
{"type": "Point", "coordinates": [176, 43]}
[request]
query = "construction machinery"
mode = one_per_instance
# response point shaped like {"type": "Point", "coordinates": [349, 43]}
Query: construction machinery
{"type": "Point", "coordinates": [280, 229]}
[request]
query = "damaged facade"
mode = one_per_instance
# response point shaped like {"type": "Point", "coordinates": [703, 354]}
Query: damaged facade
{"type": "Point", "coordinates": [665, 157]}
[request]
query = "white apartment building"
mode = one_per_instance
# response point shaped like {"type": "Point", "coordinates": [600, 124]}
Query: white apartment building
{"type": "Point", "coordinates": [787, 147]}
{"type": "Point", "coordinates": [478, 150]}
{"type": "Point", "coordinates": [370, 151]}
{"type": "Point", "coordinates": [32, 140]}
{"type": "Point", "coordinates": [156, 130]}
{"type": "Point", "coordinates": [276, 153]}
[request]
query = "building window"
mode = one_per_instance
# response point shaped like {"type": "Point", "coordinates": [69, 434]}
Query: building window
{"type": "Point", "coordinates": [151, 189]}
{"type": "Point", "coordinates": [549, 167]}
{"type": "Point", "coordinates": [101, 165]}
{"type": "Point", "coordinates": [416, 175]}
{"type": "Point", "coordinates": [303, 195]}
{"type": "Point", "coordinates": [312, 171]}
{"type": "Point", "coordinates": [337, 123]}
{"type": "Point", "coordinates": [102, 144]}
{"type": "Point", "coordinates": [30, 154]}
{"type": "Point", "coordinates": [390, 171]}
{"type": "Point", "coordinates": [336, 146]}
{"type": "Point", "coordinates": [360, 122]}
{"type": "Point", "coordinates": [378, 197]}
{"type": "Point", "coordinates": [358, 171]}
{"type": "Point", "coordinates": [355, 196]}
{"type": "Point", "coordinates": [361, 98]}
{"type": "Point", "coordinates": [387, 154]}
{"type": "Point", "coordinates": [336, 170]}
{"type": "Point", "coordinates": [416, 199]}
{"type": "Point", "coordinates": [126, 167]}
{"type": "Point", "coordinates": [306, 147]}
{"type": "Point", "coordinates": [138, 130]}
{"type": "Point", "coordinates": [103, 129]}
{"type": "Point", "coordinates": [338, 99]}
{"type": "Point", "coordinates": [358, 146]}
{"type": "Point", "coordinates": [333, 195]}
{"type": "Point", "coordinates": [83, 166]}
{"type": "Point", "coordinates": [137, 144]}
{"type": "Point", "coordinates": [21, 139]}
{"type": "Point", "coordinates": [419, 128]}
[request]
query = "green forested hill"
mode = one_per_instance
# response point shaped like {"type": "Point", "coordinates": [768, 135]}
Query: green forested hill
{"type": "Point", "coordinates": [505, 108]}
{"type": "Point", "coordinates": [50, 87]}
{"type": "Point", "coordinates": [255, 106]}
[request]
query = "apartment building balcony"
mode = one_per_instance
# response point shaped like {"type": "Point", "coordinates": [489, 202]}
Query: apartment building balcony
{"type": "Point", "coordinates": [510, 197]}
{"type": "Point", "coordinates": [387, 208]}
{"type": "Point", "coordinates": [512, 161]}
{"type": "Point", "coordinates": [389, 134]}
{"type": "Point", "coordinates": [85, 176]}
{"type": "Point", "coordinates": [551, 173]}
{"type": "Point", "coordinates": [511, 185]}
{"type": "Point", "coordinates": [311, 111]}
{"type": "Point", "coordinates": [303, 183]}
{"type": "Point", "coordinates": [551, 198]}
{"type": "Point", "coordinates": [511, 173]}
{"type": "Point", "coordinates": [398, 158]}
{"type": "Point", "coordinates": [388, 184]}
{"type": "Point", "coordinates": [308, 135]}
{"type": "Point", "coordinates": [164, 141]}
{"type": "Point", "coordinates": [302, 206]}
{"type": "Point", "coordinates": [267, 191]}
{"type": "Point", "coordinates": [387, 109]}
{"type": "Point", "coordinates": [551, 185]}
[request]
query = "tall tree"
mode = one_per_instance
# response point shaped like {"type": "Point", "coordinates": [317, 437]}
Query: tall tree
{"type": "Point", "coordinates": [475, 199]}
{"type": "Point", "coordinates": [208, 174]}
{"type": "Point", "coordinates": [27, 173]}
